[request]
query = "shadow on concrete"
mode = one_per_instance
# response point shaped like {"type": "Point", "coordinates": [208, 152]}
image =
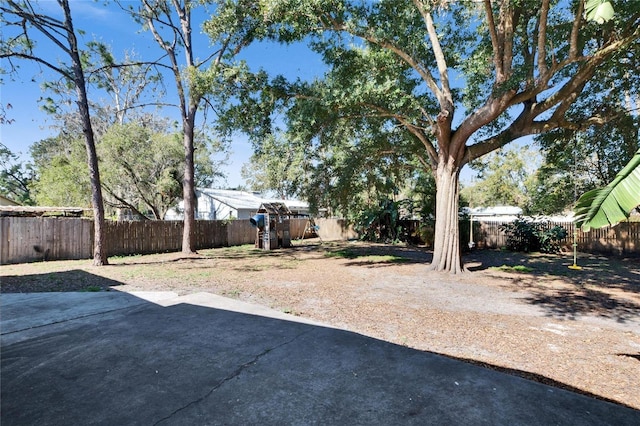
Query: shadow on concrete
{"type": "Point", "coordinates": [63, 281]}
{"type": "Point", "coordinates": [114, 358]}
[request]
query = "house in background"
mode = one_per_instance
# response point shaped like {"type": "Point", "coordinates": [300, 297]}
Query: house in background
{"type": "Point", "coordinates": [222, 204]}
{"type": "Point", "coordinates": [509, 214]}
{"type": "Point", "coordinates": [4, 201]}
{"type": "Point", "coordinates": [493, 214]}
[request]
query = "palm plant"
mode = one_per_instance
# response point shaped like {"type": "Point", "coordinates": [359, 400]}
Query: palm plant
{"type": "Point", "coordinates": [613, 203]}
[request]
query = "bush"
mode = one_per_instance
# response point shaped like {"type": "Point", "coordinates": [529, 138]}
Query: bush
{"type": "Point", "coordinates": [550, 239]}
{"type": "Point", "coordinates": [526, 236]}
{"type": "Point", "coordinates": [521, 235]}
{"type": "Point", "coordinates": [379, 223]}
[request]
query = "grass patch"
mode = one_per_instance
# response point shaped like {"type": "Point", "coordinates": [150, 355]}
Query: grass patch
{"type": "Point", "coordinates": [245, 248]}
{"type": "Point", "coordinates": [342, 253]}
{"type": "Point", "coordinates": [517, 268]}
{"type": "Point", "coordinates": [366, 256]}
{"type": "Point", "coordinates": [122, 257]}
{"type": "Point", "coordinates": [387, 258]}
{"type": "Point", "coordinates": [289, 264]}
{"type": "Point", "coordinates": [234, 252]}
{"type": "Point", "coordinates": [255, 267]}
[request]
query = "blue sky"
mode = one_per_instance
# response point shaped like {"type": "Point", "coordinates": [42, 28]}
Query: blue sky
{"type": "Point", "coordinates": [112, 26]}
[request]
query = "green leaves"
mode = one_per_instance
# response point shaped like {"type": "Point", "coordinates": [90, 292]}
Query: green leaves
{"type": "Point", "coordinates": [15, 177]}
{"type": "Point", "coordinates": [142, 166]}
{"type": "Point", "coordinates": [613, 203]}
{"type": "Point", "coordinates": [599, 11]}
{"type": "Point", "coordinates": [504, 178]}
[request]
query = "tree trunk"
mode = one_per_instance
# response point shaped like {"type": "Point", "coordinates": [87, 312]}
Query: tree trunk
{"type": "Point", "coordinates": [99, 252]}
{"type": "Point", "coordinates": [446, 248]}
{"type": "Point", "coordinates": [188, 185]}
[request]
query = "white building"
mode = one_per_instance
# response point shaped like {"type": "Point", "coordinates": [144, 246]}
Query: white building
{"type": "Point", "coordinates": [493, 214]}
{"type": "Point", "coordinates": [222, 204]}
{"type": "Point", "coordinates": [509, 214]}
{"type": "Point", "coordinates": [4, 201]}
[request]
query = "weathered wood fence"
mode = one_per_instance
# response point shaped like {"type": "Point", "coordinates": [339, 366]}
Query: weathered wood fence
{"type": "Point", "coordinates": [29, 239]}
{"type": "Point", "coordinates": [622, 239]}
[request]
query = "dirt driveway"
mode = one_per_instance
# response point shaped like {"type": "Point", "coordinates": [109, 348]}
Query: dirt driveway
{"type": "Point", "coordinates": [529, 315]}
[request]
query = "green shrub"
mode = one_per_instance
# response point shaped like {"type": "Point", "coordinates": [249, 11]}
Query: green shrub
{"type": "Point", "coordinates": [380, 223]}
{"type": "Point", "coordinates": [550, 239]}
{"type": "Point", "coordinates": [521, 235]}
{"type": "Point", "coordinates": [526, 236]}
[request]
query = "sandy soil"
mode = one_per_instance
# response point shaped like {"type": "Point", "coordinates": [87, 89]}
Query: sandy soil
{"type": "Point", "coordinates": [579, 330]}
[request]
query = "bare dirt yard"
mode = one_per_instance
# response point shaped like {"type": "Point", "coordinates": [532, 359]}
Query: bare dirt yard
{"type": "Point", "coordinates": [528, 315]}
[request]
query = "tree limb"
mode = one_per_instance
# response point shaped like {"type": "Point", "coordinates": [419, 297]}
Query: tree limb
{"type": "Point", "coordinates": [444, 94]}
{"type": "Point", "coordinates": [542, 37]}
{"type": "Point", "coordinates": [575, 31]}
{"type": "Point", "coordinates": [41, 61]}
{"type": "Point", "coordinates": [495, 41]}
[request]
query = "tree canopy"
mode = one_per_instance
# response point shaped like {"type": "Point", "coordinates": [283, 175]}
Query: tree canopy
{"type": "Point", "coordinates": [455, 92]}
{"type": "Point", "coordinates": [143, 164]}
{"type": "Point", "coordinates": [15, 177]}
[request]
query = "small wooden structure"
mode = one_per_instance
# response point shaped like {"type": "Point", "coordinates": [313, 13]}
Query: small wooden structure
{"type": "Point", "coordinates": [273, 226]}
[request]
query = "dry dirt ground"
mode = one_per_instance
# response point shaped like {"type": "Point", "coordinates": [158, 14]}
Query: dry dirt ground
{"type": "Point", "coordinates": [578, 330]}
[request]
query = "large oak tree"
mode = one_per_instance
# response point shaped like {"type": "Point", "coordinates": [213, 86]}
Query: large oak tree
{"type": "Point", "coordinates": [463, 78]}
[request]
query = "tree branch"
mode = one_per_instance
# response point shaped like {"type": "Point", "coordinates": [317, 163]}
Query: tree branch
{"type": "Point", "coordinates": [575, 31]}
{"type": "Point", "coordinates": [46, 25]}
{"type": "Point", "coordinates": [444, 94]}
{"type": "Point", "coordinates": [495, 42]}
{"type": "Point", "coordinates": [41, 61]}
{"type": "Point", "coordinates": [542, 37]}
{"type": "Point", "coordinates": [577, 81]}
{"type": "Point", "coordinates": [123, 203]}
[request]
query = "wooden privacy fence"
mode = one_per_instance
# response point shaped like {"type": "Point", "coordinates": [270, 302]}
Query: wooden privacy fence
{"type": "Point", "coordinates": [622, 239]}
{"type": "Point", "coordinates": [29, 239]}
{"type": "Point", "coordinates": [133, 237]}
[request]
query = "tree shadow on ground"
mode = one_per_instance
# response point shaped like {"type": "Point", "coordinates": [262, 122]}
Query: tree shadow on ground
{"type": "Point", "coordinates": [246, 251]}
{"type": "Point", "coordinates": [609, 272]}
{"type": "Point", "coordinates": [573, 303]}
{"type": "Point", "coordinates": [379, 255]}
{"type": "Point", "coordinates": [604, 286]}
